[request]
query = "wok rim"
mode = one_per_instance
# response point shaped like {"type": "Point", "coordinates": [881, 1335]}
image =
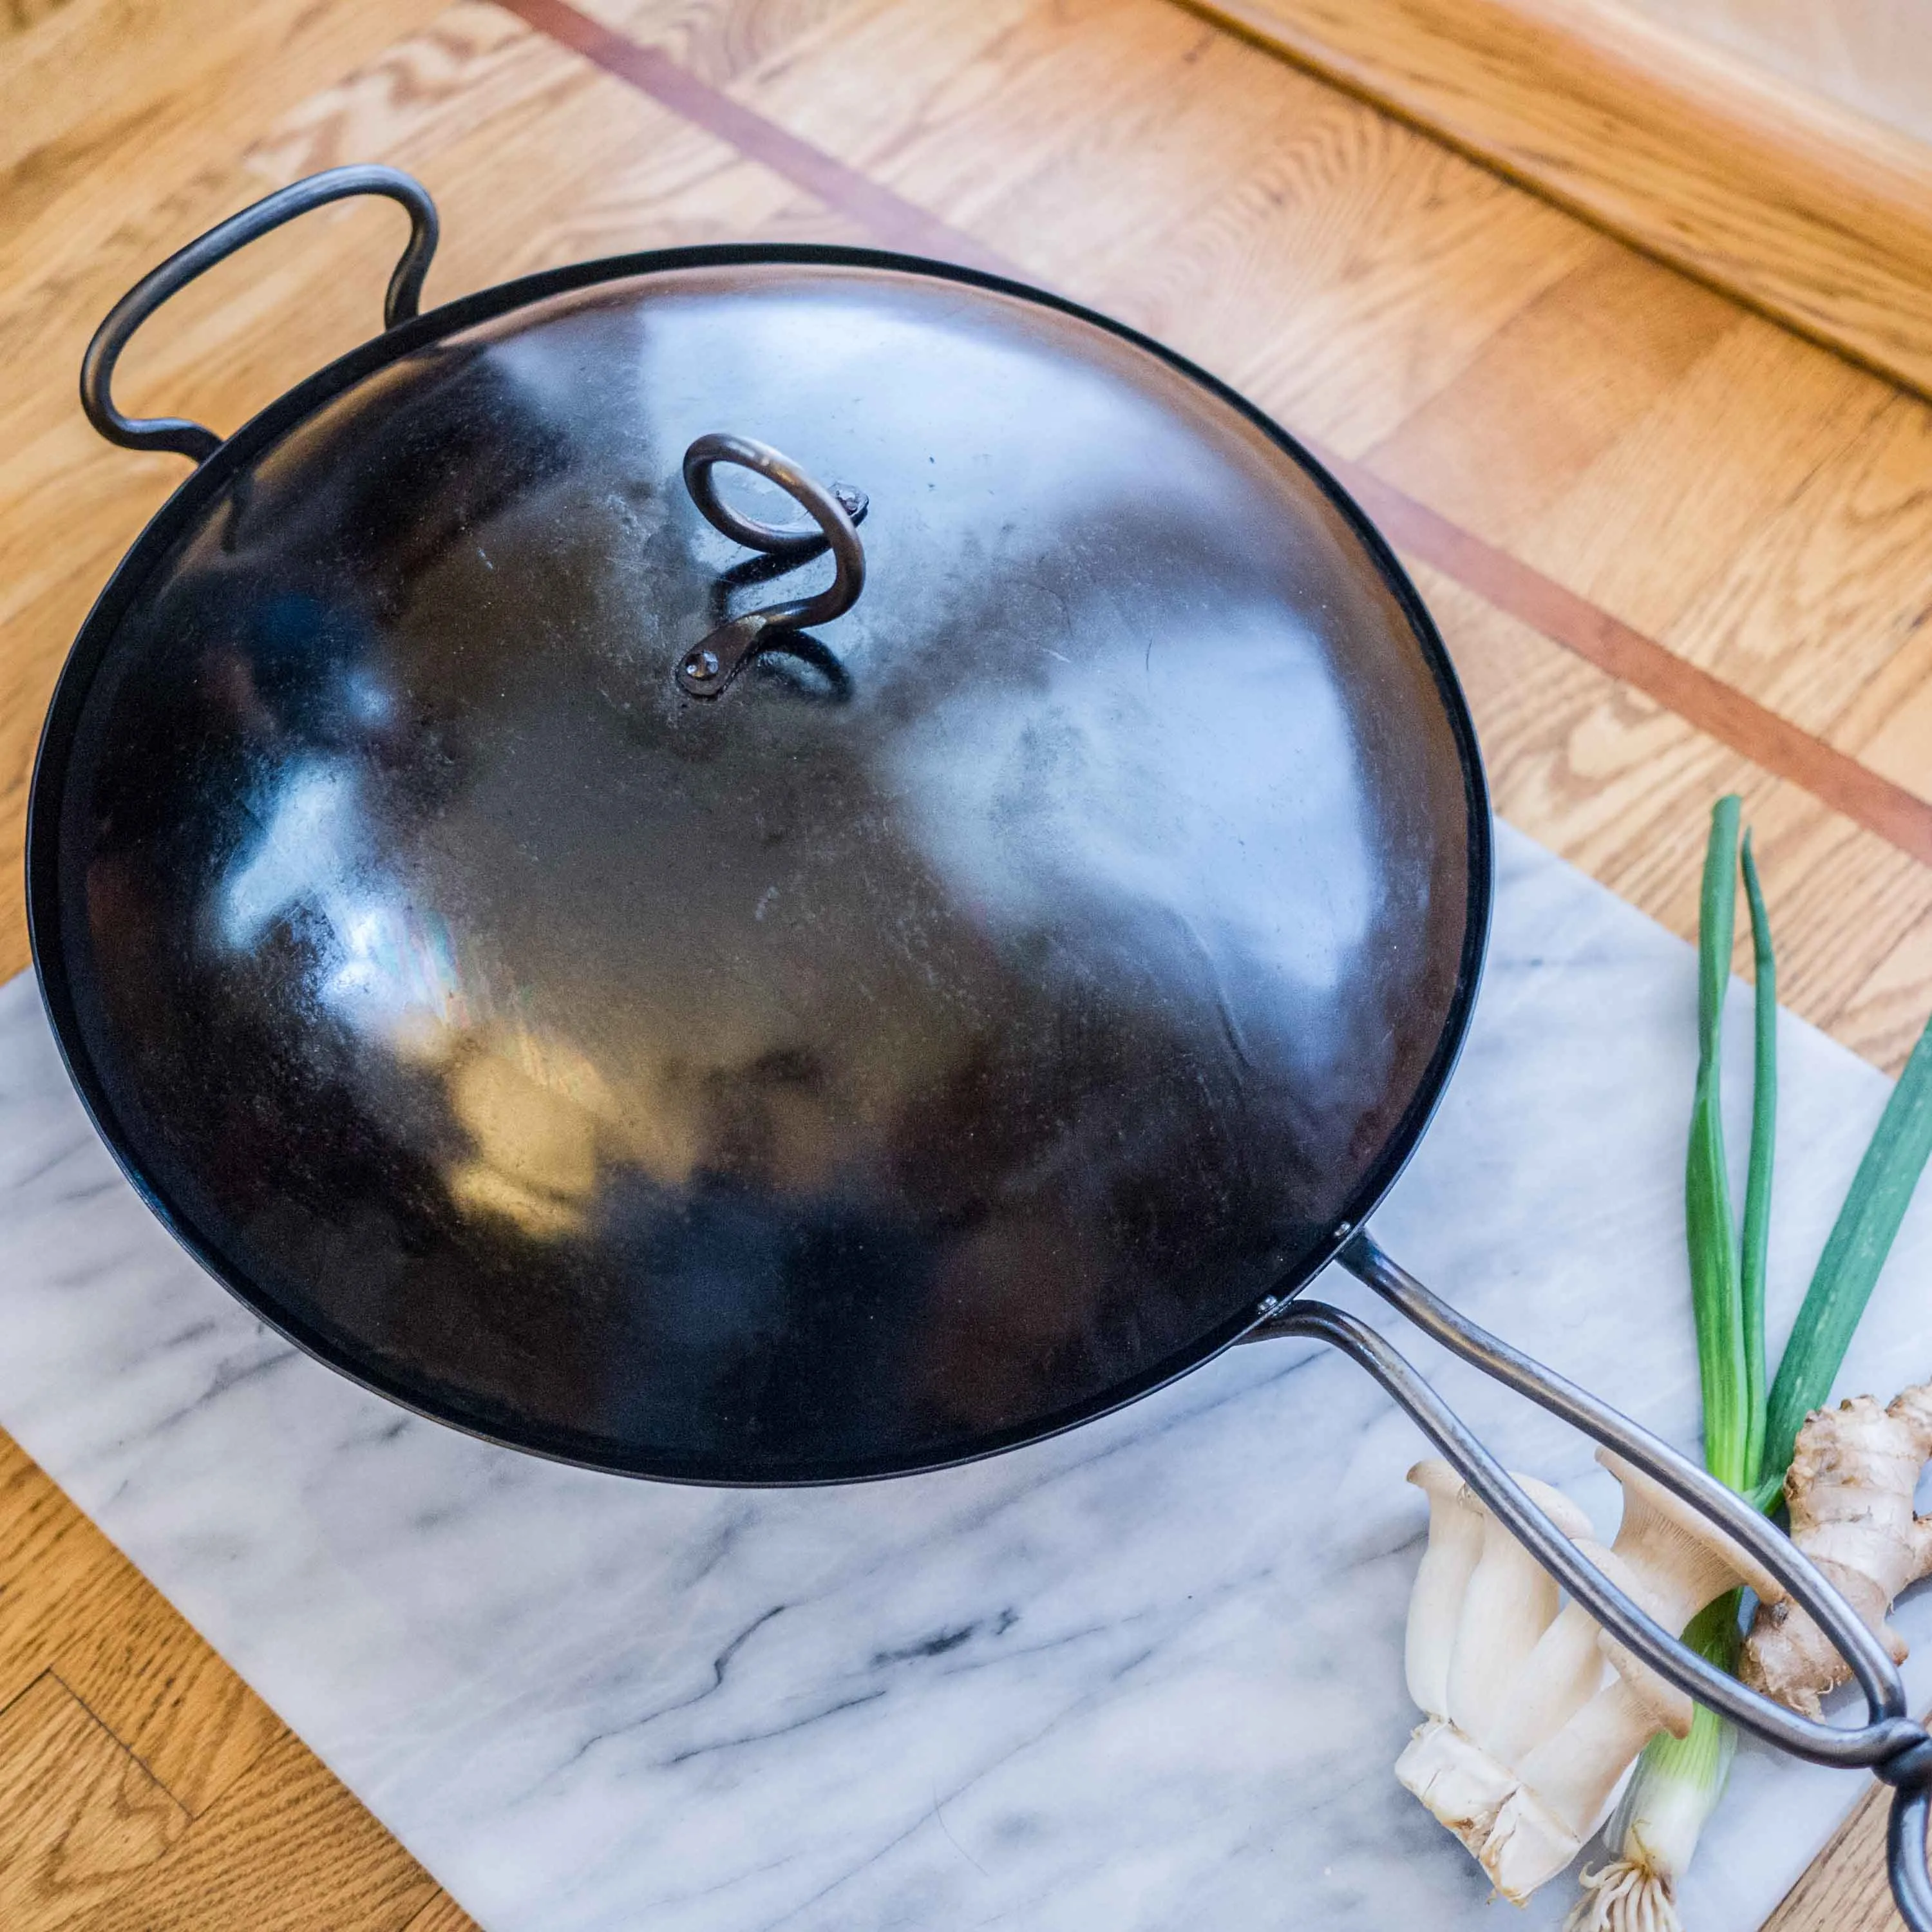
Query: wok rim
{"type": "Point", "coordinates": [94, 641]}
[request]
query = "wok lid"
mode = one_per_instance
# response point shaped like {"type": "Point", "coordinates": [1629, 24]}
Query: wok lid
{"type": "Point", "coordinates": [957, 1024]}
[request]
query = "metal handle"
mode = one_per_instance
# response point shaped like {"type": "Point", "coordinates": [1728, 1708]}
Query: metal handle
{"type": "Point", "coordinates": [710, 664]}
{"type": "Point", "coordinates": [1889, 1743]}
{"type": "Point", "coordinates": [192, 439]}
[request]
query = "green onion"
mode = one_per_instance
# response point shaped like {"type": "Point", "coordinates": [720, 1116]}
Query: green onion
{"type": "Point", "coordinates": [1679, 1781]}
{"type": "Point", "coordinates": [1757, 1185]}
{"type": "Point", "coordinates": [1749, 1437]}
{"type": "Point", "coordinates": [1859, 1242]}
{"type": "Point", "coordinates": [1717, 1288]}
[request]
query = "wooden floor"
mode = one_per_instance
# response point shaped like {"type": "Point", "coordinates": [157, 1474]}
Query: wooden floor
{"type": "Point", "coordinates": [1675, 550]}
{"type": "Point", "coordinates": [1874, 56]}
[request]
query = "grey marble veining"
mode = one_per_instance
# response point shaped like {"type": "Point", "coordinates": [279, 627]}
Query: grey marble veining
{"type": "Point", "coordinates": [1145, 1676]}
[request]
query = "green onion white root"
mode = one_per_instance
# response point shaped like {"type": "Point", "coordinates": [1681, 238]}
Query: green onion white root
{"type": "Point", "coordinates": [1675, 1787]}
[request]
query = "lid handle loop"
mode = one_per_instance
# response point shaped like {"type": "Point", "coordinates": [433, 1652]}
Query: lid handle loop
{"type": "Point", "coordinates": [710, 664]}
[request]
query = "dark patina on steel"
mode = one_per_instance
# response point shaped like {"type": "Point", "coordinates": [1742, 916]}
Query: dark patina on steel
{"type": "Point", "coordinates": [957, 1034]}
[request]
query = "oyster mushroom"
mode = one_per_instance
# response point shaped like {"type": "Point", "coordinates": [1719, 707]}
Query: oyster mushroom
{"type": "Point", "coordinates": [1681, 1558]}
{"type": "Point", "coordinates": [1456, 1520]}
{"type": "Point", "coordinates": [1567, 1783]}
{"type": "Point", "coordinates": [1539, 1713]}
{"type": "Point", "coordinates": [1506, 1602]}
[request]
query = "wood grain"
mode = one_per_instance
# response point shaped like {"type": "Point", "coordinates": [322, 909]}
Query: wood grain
{"type": "Point", "coordinates": [80, 1817]}
{"type": "Point", "coordinates": [887, 218]}
{"type": "Point", "coordinates": [1621, 785]}
{"type": "Point", "coordinates": [1593, 353]}
{"type": "Point", "coordinates": [720, 39]}
{"type": "Point", "coordinates": [1663, 510]}
{"type": "Point", "coordinates": [1333, 264]}
{"type": "Point", "coordinates": [125, 1650]}
{"type": "Point", "coordinates": [1872, 56]}
{"type": "Point", "coordinates": [1719, 708]}
{"type": "Point", "coordinates": [442, 1914]}
{"type": "Point", "coordinates": [1724, 517]}
{"type": "Point", "coordinates": [1586, 439]}
{"type": "Point", "coordinates": [16, 14]}
{"type": "Point", "coordinates": [1773, 194]}
{"type": "Point", "coordinates": [49, 1554]}
{"type": "Point", "coordinates": [287, 1849]}
{"type": "Point", "coordinates": [71, 1603]}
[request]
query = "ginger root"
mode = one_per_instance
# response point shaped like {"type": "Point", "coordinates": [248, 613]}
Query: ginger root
{"type": "Point", "coordinates": [1849, 1490]}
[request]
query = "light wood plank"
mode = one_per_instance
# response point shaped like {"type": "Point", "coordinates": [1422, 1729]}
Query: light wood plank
{"type": "Point", "coordinates": [1622, 788]}
{"type": "Point", "coordinates": [99, 76]}
{"type": "Point", "coordinates": [287, 1849]}
{"type": "Point", "coordinates": [1821, 615]}
{"type": "Point", "coordinates": [1589, 358]}
{"type": "Point", "coordinates": [1873, 56]}
{"type": "Point", "coordinates": [50, 1556]}
{"type": "Point", "coordinates": [1816, 215]}
{"type": "Point", "coordinates": [1763, 513]}
{"type": "Point", "coordinates": [442, 1914]}
{"type": "Point", "coordinates": [1336, 265]}
{"type": "Point", "coordinates": [1668, 508]}
{"type": "Point", "coordinates": [17, 14]}
{"type": "Point", "coordinates": [149, 1677]}
{"type": "Point", "coordinates": [720, 39]}
{"type": "Point", "coordinates": [80, 1819]}
{"type": "Point", "coordinates": [1889, 1005]}
{"type": "Point", "coordinates": [71, 1603]}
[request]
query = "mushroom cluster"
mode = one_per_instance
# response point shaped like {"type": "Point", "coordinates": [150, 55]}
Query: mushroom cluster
{"type": "Point", "coordinates": [1533, 1713]}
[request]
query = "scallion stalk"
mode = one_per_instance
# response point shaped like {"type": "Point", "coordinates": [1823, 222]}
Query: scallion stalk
{"type": "Point", "coordinates": [1757, 1184]}
{"type": "Point", "coordinates": [1675, 1787]}
{"type": "Point", "coordinates": [1749, 1436]}
{"type": "Point", "coordinates": [1847, 1271]}
{"type": "Point", "coordinates": [1679, 1781]}
{"type": "Point", "coordinates": [1716, 1288]}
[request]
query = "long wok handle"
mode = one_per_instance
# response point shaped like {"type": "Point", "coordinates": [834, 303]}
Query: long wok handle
{"type": "Point", "coordinates": [195, 439]}
{"type": "Point", "coordinates": [1889, 1743]}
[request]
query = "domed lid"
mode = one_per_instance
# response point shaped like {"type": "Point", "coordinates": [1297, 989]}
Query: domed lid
{"type": "Point", "coordinates": [881, 1042]}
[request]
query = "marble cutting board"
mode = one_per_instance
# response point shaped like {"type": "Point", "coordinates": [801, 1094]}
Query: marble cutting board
{"type": "Point", "coordinates": [1144, 1676]}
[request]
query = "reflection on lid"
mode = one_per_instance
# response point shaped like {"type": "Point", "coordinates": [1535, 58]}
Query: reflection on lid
{"type": "Point", "coordinates": [539, 1118]}
{"type": "Point", "coordinates": [522, 1102]}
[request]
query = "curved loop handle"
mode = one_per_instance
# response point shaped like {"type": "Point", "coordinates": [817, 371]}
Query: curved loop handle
{"type": "Point", "coordinates": [192, 439]}
{"type": "Point", "coordinates": [1889, 1742]}
{"type": "Point", "coordinates": [709, 666]}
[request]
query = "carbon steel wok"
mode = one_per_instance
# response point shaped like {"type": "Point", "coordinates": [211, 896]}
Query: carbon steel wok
{"type": "Point", "coordinates": [574, 969]}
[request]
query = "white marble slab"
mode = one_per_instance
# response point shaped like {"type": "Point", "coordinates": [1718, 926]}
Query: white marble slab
{"type": "Point", "coordinates": [1146, 1676]}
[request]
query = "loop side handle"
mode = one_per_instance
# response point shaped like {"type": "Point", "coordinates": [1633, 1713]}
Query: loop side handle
{"type": "Point", "coordinates": [1889, 1742]}
{"type": "Point", "coordinates": [194, 439]}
